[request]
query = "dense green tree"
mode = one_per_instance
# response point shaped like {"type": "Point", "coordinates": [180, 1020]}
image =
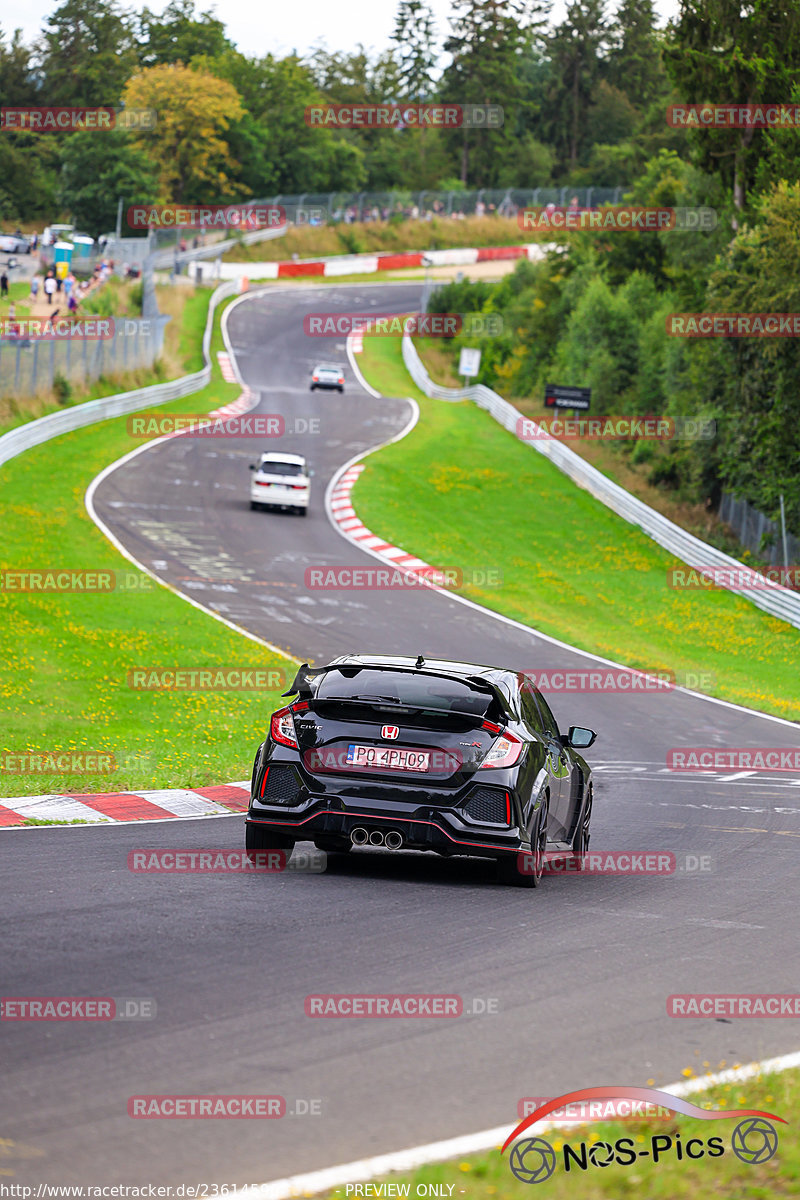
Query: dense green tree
{"type": "Point", "coordinates": [575, 49]}
{"type": "Point", "coordinates": [488, 42]}
{"type": "Point", "coordinates": [98, 171]}
{"type": "Point", "coordinates": [760, 425]}
{"type": "Point", "coordinates": [415, 37]}
{"type": "Point", "coordinates": [179, 34]}
{"type": "Point", "coordinates": [86, 53]}
{"type": "Point", "coordinates": [634, 65]}
{"type": "Point", "coordinates": [277, 147]}
{"type": "Point", "coordinates": [18, 82]}
{"type": "Point", "coordinates": [721, 52]}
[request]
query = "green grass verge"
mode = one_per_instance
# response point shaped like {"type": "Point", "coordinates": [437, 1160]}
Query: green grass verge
{"type": "Point", "coordinates": [385, 237]}
{"type": "Point", "coordinates": [67, 656]}
{"type": "Point", "coordinates": [570, 567]}
{"type": "Point", "coordinates": [725, 1176]}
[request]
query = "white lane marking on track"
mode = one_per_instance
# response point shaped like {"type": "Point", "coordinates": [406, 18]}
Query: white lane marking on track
{"type": "Point", "coordinates": [334, 1178]}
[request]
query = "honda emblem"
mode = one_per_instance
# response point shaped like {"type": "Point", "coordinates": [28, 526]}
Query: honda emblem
{"type": "Point", "coordinates": [390, 731]}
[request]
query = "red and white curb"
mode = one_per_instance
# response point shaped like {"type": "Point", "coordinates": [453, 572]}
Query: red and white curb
{"type": "Point", "coordinates": [368, 264]}
{"type": "Point", "coordinates": [114, 808]}
{"type": "Point", "coordinates": [226, 367]}
{"type": "Point", "coordinates": [344, 515]}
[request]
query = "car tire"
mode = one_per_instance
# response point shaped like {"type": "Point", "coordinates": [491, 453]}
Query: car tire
{"type": "Point", "coordinates": [580, 843]}
{"type": "Point", "coordinates": [341, 391]}
{"type": "Point", "coordinates": [312, 388]}
{"type": "Point", "coordinates": [333, 845]}
{"type": "Point", "coordinates": [256, 838]}
{"type": "Point", "coordinates": [508, 870]}
{"type": "Point", "coordinates": [253, 506]}
{"type": "Point", "coordinates": [301, 512]}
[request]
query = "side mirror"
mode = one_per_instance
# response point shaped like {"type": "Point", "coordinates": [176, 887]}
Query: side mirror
{"type": "Point", "coordinates": [253, 467]}
{"type": "Point", "coordinates": [581, 738]}
{"type": "Point", "coordinates": [310, 473]}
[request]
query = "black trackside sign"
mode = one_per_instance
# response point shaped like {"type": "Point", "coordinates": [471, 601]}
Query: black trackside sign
{"type": "Point", "coordinates": [556, 396]}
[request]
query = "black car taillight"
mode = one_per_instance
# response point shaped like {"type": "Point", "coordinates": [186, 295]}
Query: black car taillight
{"type": "Point", "coordinates": [505, 752]}
{"type": "Point", "coordinates": [281, 728]}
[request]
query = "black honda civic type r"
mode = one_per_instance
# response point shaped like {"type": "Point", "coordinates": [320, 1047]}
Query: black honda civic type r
{"type": "Point", "coordinates": [421, 755]}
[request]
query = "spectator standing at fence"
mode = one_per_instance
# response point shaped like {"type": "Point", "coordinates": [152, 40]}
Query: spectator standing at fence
{"type": "Point", "coordinates": [49, 287]}
{"type": "Point", "coordinates": [3, 285]}
{"type": "Point", "coordinates": [69, 284]}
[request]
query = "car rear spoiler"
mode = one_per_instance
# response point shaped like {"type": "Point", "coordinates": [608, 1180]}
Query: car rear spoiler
{"type": "Point", "coordinates": [301, 684]}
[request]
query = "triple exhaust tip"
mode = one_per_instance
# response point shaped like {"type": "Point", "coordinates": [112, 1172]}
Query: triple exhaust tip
{"type": "Point", "coordinates": [392, 840]}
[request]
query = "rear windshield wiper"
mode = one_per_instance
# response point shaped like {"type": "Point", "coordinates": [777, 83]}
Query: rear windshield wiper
{"type": "Point", "coordinates": [440, 712]}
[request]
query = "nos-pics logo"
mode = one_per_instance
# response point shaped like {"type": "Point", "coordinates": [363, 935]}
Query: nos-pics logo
{"type": "Point", "coordinates": [534, 1159]}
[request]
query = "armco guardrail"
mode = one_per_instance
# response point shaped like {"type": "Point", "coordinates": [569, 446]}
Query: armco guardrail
{"type": "Point", "coordinates": [171, 256]}
{"type": "Point", "coordinates": [16, 441]}
{"type": "Point", "coordinates": [772, 598]}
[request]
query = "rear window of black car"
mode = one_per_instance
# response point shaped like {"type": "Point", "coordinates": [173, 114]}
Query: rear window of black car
{"type": "Point", "coordinates": [414, 690]}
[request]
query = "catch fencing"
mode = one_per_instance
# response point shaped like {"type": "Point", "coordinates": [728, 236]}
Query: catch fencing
{"type": "Point", "coordinates": [760, 535]}
{"type": "Point", "coordinates": [347, 207]}
{"type": "Point", "coordinates": [779, 601]}
{"type": "Point", "coordinates": [33, 433]}
{"type": "Point", "coordinates": [29, 365]}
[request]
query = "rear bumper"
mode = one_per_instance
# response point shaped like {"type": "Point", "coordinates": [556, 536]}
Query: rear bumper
{"type": "Point", "coordinates": [422, 827]}
{"type": "Point", "coordinates": [279, 498]}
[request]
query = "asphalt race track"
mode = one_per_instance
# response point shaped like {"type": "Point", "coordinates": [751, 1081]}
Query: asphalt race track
{"type": "Point", "coordinates": [578, 972]}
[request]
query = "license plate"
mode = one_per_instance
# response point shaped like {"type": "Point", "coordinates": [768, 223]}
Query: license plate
{"type": "Point", "coordinates": [388, 758]}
